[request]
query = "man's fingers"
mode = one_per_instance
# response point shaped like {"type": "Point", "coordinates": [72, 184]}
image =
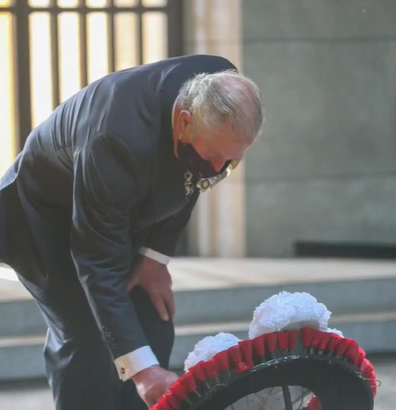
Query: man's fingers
{"type": "Point", "coordinates": [150, 402]}
{"type": "Point", "coordinates": [153, 383]}
{"type": "Point", "coordinates": [159, 304]}
{"type": "Point", "coordinates": [132, 282]}
{"type": "Point", "coordinates": [154, 396]}
{"type": "Point", "coordinates": [172, 378]}
{"type": "Point", "coordinates": [169, 300]}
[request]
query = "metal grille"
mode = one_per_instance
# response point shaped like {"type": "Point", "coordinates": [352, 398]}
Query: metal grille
{"type": "Point", "coordinates": [39, 31]}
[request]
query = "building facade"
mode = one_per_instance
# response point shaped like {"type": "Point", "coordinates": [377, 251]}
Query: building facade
{"type": "Point", "coordinates": [324, 170]}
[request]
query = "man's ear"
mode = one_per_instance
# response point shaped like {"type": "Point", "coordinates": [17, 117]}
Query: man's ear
{"type": "Point", "coordinates": [185, 125]}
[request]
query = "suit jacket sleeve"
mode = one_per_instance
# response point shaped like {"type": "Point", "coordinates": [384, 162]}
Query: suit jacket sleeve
{"type": "Point", "coordinates": [104, 192]}
{"type": "Point", "coordinates": [165, 235]}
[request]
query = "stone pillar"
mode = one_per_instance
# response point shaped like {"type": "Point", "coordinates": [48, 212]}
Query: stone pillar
{"type": "Point", "coordinates": [217, 227]}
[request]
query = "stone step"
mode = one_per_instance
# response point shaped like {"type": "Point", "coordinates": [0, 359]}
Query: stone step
{"type": "Point", "coordinates": [21, 357]}
{"type": "Point", "coordinates": [212, 291]}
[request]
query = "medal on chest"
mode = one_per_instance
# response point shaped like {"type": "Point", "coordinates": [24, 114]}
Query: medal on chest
{"type": "Point", "coordinates": [189, 186]}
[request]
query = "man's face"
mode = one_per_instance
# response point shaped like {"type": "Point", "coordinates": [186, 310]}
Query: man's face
{"type": "Point", "coordinates": [214, 147]}
{"type": "Point", "coordinates": [219, 147]}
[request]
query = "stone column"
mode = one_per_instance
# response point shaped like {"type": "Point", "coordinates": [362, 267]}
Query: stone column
{"type": "Point", "coordinates": [217, 227]}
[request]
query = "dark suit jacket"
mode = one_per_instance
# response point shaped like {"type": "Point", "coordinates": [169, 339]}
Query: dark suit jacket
{"type": "Point", "coordinates": [96, 181]}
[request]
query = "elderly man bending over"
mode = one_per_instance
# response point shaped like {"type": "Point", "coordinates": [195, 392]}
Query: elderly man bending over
{"type": "Point", "coordinates": [92, 208]}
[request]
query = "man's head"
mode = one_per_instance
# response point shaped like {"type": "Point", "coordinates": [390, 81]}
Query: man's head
{"type": "Point", "coordinates": [217, 116]}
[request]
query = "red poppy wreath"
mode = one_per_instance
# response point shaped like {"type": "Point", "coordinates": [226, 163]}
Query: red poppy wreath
{"type": "Point", "coordinates": [292, 360]}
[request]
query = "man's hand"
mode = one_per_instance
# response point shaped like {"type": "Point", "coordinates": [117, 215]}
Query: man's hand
{"type": "Point", "coordinates": [155, 279]}
{"type": "Point", "coordinates": [152, 383]}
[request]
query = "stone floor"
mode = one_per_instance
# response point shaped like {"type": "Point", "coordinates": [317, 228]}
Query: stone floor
{"type": "Point", "coordinates": [191, 274]}
{"type": "Point", "coordinates": [35, 395]}
{"type": "Point", "coordinates": [201, 273]}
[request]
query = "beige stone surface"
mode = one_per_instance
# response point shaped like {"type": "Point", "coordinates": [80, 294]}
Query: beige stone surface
{"type": "Point", "coordinates": [208, 273]}
{"type": "Point", "coordinates": [217, 226]}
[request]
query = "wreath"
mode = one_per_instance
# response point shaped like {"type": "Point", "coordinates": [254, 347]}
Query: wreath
{"type": "Point", "coordinates": [290, 352]}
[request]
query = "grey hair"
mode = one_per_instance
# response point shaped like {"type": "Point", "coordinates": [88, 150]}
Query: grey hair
{"type": "Point", "coordinates": [223, 97]}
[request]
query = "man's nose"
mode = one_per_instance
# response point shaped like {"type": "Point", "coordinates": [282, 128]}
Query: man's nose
{"type": "Point", "coordinates": [218, 164]}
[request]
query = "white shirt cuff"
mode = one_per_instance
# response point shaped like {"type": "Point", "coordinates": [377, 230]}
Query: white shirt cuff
{"type": "Point", "coordinates": [152, 254]}
{"type": "Point", "coordinates": [134, 362]}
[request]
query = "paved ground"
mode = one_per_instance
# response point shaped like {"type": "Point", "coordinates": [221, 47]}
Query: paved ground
{"type": "Point", "coordinates": [191, 274]}
{"type": "Point", "coordinates": [201, 273]}
{"type": "Point", "coordinates": [36, 396]}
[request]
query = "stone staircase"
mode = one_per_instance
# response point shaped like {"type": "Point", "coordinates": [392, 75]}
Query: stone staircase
{"type": "Point", "coordinates": [214, 295]}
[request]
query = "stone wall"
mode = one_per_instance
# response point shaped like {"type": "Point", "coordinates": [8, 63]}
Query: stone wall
{"type": "Point", "coordinates": [325, 168]}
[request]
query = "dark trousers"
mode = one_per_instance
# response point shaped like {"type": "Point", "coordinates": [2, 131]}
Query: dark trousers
{"type": "Point", "coordinates": [79, 367]}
